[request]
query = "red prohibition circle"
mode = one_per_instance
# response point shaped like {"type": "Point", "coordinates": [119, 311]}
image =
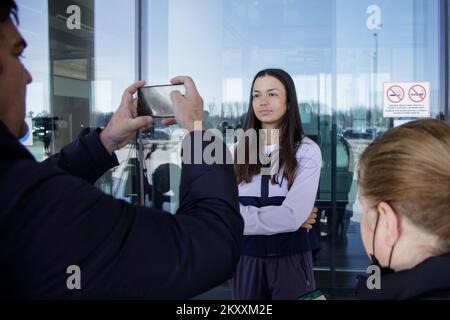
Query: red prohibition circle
{"type": "Point", "coordinates": [417, 97]}
{"type": "Point", "coordinates": [397, 95]}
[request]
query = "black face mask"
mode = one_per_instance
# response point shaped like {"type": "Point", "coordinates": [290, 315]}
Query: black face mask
{"type": "Point", "coordinates": [384, 270]}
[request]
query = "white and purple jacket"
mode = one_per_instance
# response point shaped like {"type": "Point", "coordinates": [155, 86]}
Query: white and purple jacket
{"type": "Point", "coordinates": [272, 214]}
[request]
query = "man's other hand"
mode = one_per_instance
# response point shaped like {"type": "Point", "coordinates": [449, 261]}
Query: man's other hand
{"type": "Point", "coordinates": [188, 108]}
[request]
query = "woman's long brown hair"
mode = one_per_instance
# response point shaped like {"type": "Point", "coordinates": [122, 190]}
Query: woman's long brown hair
{"type": "Point", "coordinates": [291, 132]}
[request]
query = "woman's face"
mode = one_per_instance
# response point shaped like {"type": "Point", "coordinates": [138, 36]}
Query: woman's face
{"type": "Point", "coordinates": [269, 101]}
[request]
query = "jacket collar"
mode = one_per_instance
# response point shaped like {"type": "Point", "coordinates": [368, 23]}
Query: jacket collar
{"type": "Point", "coordinates": [424, 280]}
{"type": "Point", "coordinates": [10, 147]}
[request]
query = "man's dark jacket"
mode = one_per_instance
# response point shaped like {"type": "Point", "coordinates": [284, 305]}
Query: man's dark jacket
{"type": "Point", "coordinates": [52, 217]}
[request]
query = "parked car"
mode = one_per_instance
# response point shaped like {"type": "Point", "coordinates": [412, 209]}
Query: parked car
{"type": "Point", "coordinates": [358, 134]}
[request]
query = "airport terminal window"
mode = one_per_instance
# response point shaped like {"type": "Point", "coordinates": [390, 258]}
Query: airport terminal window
{"type": "Point", "coordinates": [399, 49]}
{"type": "Point", "coordinates": [33, 26]}
{"type": "Point", "coordinates": [115, 70]}
{"type": "Point", "coordinates": [338, 53]}
{"type": "Point", "coordinates": [79, 77]}
{"type": "Point", "coordinates": [338, 65]}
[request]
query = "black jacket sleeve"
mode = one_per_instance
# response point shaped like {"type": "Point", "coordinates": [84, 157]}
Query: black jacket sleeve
{"type": "Point", "coordinates": [85, 158]}
{"type": "Point", "coordinates": [125, 251]}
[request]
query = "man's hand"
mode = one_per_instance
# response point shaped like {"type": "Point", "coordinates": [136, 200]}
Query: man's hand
{"type": "Point", "coordinates": [188, 108]}
{"type": "Point", "coordinates": [125, 123]}
{"type": "Point", "coordinates": [311, 219]}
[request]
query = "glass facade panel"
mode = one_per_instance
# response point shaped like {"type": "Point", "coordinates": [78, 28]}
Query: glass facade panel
{"type": "Point", "coordinates": [339, 64]}
{"type": "Point", "coordinates": [34, 28]}
{"type": "Point", "coordinates": [79, 76]}
{"type": "Point", "coordinates": [381, 46]}
{"type": "Point", "coordinates": [339, 53]}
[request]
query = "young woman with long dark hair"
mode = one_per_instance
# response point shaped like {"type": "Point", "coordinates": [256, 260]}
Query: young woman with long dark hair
{"type": "Point", "coordinates": [276, 257]}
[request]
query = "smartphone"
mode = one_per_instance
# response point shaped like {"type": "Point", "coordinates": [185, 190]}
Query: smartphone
{"type": "Point", "coordinates": [155, 100]}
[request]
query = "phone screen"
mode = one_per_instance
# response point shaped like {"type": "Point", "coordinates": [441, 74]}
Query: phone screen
{"type": "Point", "coordinates": [155, 100]}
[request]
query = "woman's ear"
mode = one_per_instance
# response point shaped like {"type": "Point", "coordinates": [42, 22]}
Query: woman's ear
{"type": "Point", "coordinates": [392, 223]}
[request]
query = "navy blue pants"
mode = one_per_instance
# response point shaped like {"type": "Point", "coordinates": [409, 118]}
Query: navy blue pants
{"type": "Point", "coordinates": [266, 278]}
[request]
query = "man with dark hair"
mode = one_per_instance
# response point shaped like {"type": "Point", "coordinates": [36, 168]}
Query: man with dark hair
{"type": "Point", "coordinates": [54, 223]}
{"type": "Point", "coordinates": [8, 9]}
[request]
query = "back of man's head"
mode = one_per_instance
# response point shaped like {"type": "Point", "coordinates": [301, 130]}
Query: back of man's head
{"type": "Point", "coordinates": [14, 77]}
{"type": "Point", "coordinates": [8, 8]}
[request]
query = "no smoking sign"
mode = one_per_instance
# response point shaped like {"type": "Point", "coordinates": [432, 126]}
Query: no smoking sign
{"type": "Point", "coordinates": [406, 100]}
{"type": "Point", "coordinates": [395, 94]}
{"type": "Point", "coordinates": [417, 93]}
